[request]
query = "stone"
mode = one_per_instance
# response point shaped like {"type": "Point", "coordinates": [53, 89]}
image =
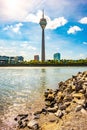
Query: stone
{"type": "Point", "coordinates": [80, 102]}
{"type": "Point", "coordinates": [37, 116]}
{"type": "Point", "coordinates": [62, 107]}
{"type": "Point", "coordinates": [77, 95]}
{"type": "Point", "coordinates": [67, 104]}
{"type": "Point", "coordinates": [33, 125]}
{"type": "Point", "coordinates": [50, 97]}
{"type": "Point", "coordinates": [83, 111]}
{"type": "Point", "coordinates": [59, 113]}
{"type": "Point", "coordinates": [38, 112]}
{"type": "Point", "coordinates": [82, 91]}
{"type": "Point", "coordinates": [52, 109]}
{"type": "Point", "coordinates": [68, 98]}
{"type": "Point", "coordinates": [50, 103]}
{"type": "Point", "coordinates": [73, 87]}
{"type": "Point", "coordinates": [78, 108]}
{"type": "Point", "coordinates": [22, 124]}
{"type": "Point", "coordinates": [21, 117]}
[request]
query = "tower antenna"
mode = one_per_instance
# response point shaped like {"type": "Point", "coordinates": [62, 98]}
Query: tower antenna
{"type": "Point", "coordinates": [43, 13]}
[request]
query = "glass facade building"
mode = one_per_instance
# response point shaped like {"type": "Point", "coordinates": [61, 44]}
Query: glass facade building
{"type": "Point", "coordinates": [57, 56]}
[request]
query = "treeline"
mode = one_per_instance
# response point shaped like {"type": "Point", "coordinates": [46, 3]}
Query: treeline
{"type": "Point", "coordinates": [63, 62]}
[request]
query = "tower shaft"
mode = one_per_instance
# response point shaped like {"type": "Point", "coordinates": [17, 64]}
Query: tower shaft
{"type": "Point", "coordinates": [43, 46]}
{"type": "Point", "coordinates": [43, 24]}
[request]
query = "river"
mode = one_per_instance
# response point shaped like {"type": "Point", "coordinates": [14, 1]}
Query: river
{"type": "Point", "coordinates": [20, 86]}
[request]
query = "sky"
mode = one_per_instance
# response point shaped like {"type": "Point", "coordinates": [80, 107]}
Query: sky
{"type": "Point", "coordinates": [65, 33]}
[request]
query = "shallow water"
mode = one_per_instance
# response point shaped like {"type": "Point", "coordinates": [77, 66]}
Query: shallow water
{"type": "Point", "coordinates": [21, 86]}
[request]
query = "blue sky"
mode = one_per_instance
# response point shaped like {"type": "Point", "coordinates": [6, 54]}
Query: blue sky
{"type": "Point", "coordinates": [66, 31]}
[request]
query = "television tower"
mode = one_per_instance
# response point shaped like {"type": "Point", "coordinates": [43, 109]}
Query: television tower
{"type": "Point", "coordinates": [43, 24]}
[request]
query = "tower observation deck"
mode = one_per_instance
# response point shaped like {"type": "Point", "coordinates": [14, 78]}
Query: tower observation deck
{"type": "Point", "coordinates": [43, 24]}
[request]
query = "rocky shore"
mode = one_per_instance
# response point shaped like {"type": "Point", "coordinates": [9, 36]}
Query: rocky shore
{"type": "Point", "coordinates": [64, 108]}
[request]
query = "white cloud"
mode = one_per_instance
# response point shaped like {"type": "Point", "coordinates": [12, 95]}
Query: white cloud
{"type": "Point", "coordinates": [83, 20]}
{"type": "Point", "coordinates": [85, 43]}
{"type": "Point", "coordinates": [14, 28]}
{"type": "Point", "coordinates": [74, 29]}
{"type": "Point", "coordinates": [57, 22]}
{"type": "Point", "coordinates": [51, 24]}
{"type": "Point", "coordinates": [27, 46]}
{"type": "Point", "coordinates": [31, 48]}
{"type": "Point", "coordinates": [18, 10]}
{"type": "Point", "coordinates": [17, 48]}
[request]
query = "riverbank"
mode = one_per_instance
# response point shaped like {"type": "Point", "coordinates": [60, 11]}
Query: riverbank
{"type": "Point", "coordinates": [43, 65]}
{"type": "Point", "coordinates": [64, 108]}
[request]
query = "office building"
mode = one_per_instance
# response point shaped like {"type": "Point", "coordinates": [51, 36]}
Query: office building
{"type": "Point", "coordinates": [57, 56]}
{"type": "Point", "coordinates": [36, 57]}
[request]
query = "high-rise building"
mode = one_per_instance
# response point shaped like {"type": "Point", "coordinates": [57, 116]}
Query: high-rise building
{"type": "Point", "coordinates": [36, 57]}
{"type": "Point", "coordinates": [43, 24]}
{"type": "Point", "coordinates": [57, 56]}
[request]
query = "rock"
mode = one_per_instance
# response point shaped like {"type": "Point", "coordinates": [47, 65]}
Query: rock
{"type": "Point", "coordinates": [78, 108]}
{"type": "Point", "coordinates": [68, 110]}
{"type": "Point", "coordinates": [21, 117]}
{"type": "Point", "coordinates": [52, 109]}
{"type": "Point", "coordinates": [50, 97]}
{"type": "Point", "coordinates": [37, 116]}
{"type": "Point", "coordinates": [22, 124]}
{"type": "Point", "coordinates": [68, 98]}
{"type": "Point", "coordinates": [50, 103]}
{"type": "Point", "coordinates": [38, 112]}
{"type": "Point", "coordinates": [59, 96]}
{"type": "Point", "coordinates": [62, 107]}
{"type": "Point", "coordinates": [59, 113]}
{"type": "Point", "coordinates": [67, 104]}
{"type": "Point", "coordinates": [52, 120]}
{"type": "Point", "coordinates": [33, 125]}
{"type": "Point", "coordinates": [73, 87]}
{"type": "Point", "coordinates": [80, 102]}
{"type": "Point", "coordinates": [47, 92]}
{"type": "Point", "coordinates": [83, 111]}
{"type": "Point", "coordinates": [77, 95]}
{"type": "Point", "coordinates": [82, 91]}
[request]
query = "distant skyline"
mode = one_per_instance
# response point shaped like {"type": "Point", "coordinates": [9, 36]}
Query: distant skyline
{"type": "Point", "coordinates": [66, 31]}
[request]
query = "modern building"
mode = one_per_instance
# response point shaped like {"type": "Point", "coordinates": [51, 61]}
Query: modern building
{"type": "Point", "coordinates": [10, 60]}
{"type": "Point", "coordinates": [43, 24]}
{"type": "Point", "coordinates": [16, 59]}
{"type": "Point", "coordinates": [36, 57]}
{"type": "Point", "coordinates": [4, 59]}
{"type": "Point", "coordinates": [57, 56]}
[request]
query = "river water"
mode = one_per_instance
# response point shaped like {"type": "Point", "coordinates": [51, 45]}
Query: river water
{"type": "Point", "coordinates": [20, 86]}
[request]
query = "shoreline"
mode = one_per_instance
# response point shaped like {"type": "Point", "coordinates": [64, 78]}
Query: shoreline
{"type": "Point", "coordinates": [43, 65]}
{"type": "Point", "coordinates": [63, 107]}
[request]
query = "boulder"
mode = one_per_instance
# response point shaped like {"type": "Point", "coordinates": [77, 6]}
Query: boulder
{"type": "Point", "coordinates": [59, 113]}
{"type": "Point", "coordinates": [33, 125]}
{"type": "Point", "coordinates": [83, 111]}
{"type": "Point", "coordinates": [52, 109]}
{"type": "Point", "coordinates": [77, 95]}
{"type": "Point", "coordinates": [62, 107]}
{"type": "Point", "coordinates": [78, 108]}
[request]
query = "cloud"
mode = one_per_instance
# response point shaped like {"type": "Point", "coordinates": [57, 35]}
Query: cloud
{"type": "Point", "coordinates": [57, 22]}
{"type": "Point", "coordinates": [29, 47]}
{"type": "Point", "coordinates": [17, 48]}
{"type": "Point", "coordinates": [85, 43]}
{"type": "Point", "coordinates": [14, 28]}
{"type": "Point", "coordinates": [51, 24]}
{"type": "Point", "coordinates": [83, 20]}
{"type": "Point", "coordinates": [74, 29]}
{"type": "Point", "coordinates": [18, 10]}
